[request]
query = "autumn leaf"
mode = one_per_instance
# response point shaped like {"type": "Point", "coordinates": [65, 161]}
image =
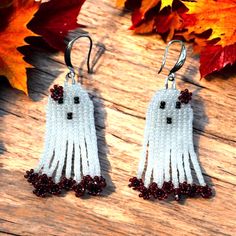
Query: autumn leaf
{"type": "Point", "coordinates": [215, 57]}
{"type": "Point", "coordinates": [55, 19]}
{"type": "Point", "coordinates": [158, 16]}
{"type": "Point", "coordinates": [166, 3]}
{"type": "Point", "coordinates": [147, 5]}
{"type": "Point", "coordinates": [220, 18]}
{"type": "Point", "coordinates": [20, 19]}
{"type": "Point", "coordinates": [12, 36]}
{"type": "Point", "coordinates": [217, 50]}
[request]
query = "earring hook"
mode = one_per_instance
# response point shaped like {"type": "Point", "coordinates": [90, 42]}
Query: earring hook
{"type": "Point", "coordinates": [179, 63]}
{"type": "Point", "coordinates": [67, 55]}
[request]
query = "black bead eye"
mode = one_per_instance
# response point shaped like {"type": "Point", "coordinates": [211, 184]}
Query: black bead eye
{"type": "Point", "coordinates": [162, 105]}
{"type": "Point", "coordinates": [60, 101]}
{"type": "Point", "coordinates": [76, 100]}
{"type": "Point", "coordinates": [178, 105]}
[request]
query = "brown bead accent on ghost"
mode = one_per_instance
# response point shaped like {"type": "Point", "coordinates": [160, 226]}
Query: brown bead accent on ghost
{"type": "Point", "coordinates": [185, 96]}
{"type": "Point", "coordinates": [56, 92]}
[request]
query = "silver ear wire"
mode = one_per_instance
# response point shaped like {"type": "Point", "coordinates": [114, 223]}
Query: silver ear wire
{"type": "Point", "coordinates": [178, 64]}
{"type": "Point", "coordinates": [67, 57]}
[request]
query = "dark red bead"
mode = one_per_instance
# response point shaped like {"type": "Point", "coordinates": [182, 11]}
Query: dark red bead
{"type": "Point", "coordinates": [93, 188]}
{"type": "Point", "coordinates": [153, 188]}
{"type": "Point", "coordinates": [95, 185]}
{"type": "Point", "coordinates": [96, 178]}
{"type": "Point", "coordinates": [41, 191]}
{"type": "Point", "coordinates": [55, 189]}
{"type": "Point", "coordinates": [144, 193]}
{"type": "Point", "coordinates": [206, 191]}
{"type": "Point", "coordinates": [135, 183]}
{"type": "Point", "coordinates": [185, 96]}
{"type": "Point", "coordinates": [168, 187]}
{"type": "Point", "coordinates": [28, 173]}
{"type": "Point", "coordinates": [184, 188]}
{"type": "Point", "coordinates": [161, 194]}
{"type": "Point", "coordinates": [102, 182]}
{"type": "Point", "coordinates": [132, 179]}
{"type": "Point", "coordinates": [87, 178]}
{"type": "Point", "coordinates": [56, 92]}
{"type": "Point", "coordinates": [193, 191]}
{"type": "Point", "coordinates": [67, 184]}
{"type": "Point", "coordinates": [79, 189]}
{"type": "Point", "coordinates": [31, 176]}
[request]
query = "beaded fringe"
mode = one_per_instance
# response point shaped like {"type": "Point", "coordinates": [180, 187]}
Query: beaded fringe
{"type": "Point", "coordinates": [168, 149]}
{"type": "Point", "coordinates": [70, 156]}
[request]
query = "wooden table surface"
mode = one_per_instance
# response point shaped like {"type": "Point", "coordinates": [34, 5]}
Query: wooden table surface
{"type": "Point", "coordinates": [124, 80]}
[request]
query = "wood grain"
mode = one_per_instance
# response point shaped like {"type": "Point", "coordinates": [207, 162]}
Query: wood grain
{"type": "Point", "coordinates": [124, 80]}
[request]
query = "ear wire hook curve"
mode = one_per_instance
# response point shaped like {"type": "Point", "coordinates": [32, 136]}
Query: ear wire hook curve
{"type": "Point", "coordinates": [180, 61]}
{"type": "Point", "coordinates": [67, 56]}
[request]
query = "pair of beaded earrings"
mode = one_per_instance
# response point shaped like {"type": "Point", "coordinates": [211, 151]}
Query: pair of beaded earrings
{"type": "Point", "coordinates": [70, 157]}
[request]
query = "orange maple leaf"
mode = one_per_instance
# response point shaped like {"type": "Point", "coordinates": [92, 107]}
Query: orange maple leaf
{"type": "Point", "coordinates": [218, 48]}
{"type": "Point", "coordinates": [12, 36]}
{"type": "Point", "coordinates": [219, 17]}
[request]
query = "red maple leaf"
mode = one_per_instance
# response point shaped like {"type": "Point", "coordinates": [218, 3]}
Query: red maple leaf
{"type": "Point", "coordinates": [54, 19]}
{"type": "Point", "coordinates": [215, 57]}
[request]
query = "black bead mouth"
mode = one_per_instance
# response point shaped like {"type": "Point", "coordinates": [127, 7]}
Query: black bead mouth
{"type": "Point", "coordinates": [69, 115]}
{"type": "Point", "coordinates": [168, 120]}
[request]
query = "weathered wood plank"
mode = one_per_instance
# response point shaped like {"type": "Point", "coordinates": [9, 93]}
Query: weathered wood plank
{"type": "Point", "coordinates": [124, 81]}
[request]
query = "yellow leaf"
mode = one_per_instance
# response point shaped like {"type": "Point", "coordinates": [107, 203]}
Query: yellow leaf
{"type": "Point", "coordinates": [166, 3]}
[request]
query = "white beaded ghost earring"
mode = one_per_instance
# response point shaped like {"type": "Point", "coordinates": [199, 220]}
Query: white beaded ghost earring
{"type": "Point", "coordinates": [70, 157]}
{"type": "Point", "coordinates": [168, 144]}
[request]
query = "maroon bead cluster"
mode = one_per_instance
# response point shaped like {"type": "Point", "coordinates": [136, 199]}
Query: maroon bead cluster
{"type": "Point", "coordinates": [44, 185]}
{"type": "Point", "coordinates": [184, 189]}
{"type": "Point", "coordinates": [57, 93]}
{"type": "Point", "coordinates": [135, 183]}
{"type": "Point", "coordinates": [67, 184]}
{"type": "Point", "coordinates": [185, 96]}
{"type": "Point", "coordinates": [93, 186]}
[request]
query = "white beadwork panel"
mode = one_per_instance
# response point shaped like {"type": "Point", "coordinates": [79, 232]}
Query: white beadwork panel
{"type": "Point", "coordinates": [70, 143]}
{"type": "Point", "coordinates": [168, 144]}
